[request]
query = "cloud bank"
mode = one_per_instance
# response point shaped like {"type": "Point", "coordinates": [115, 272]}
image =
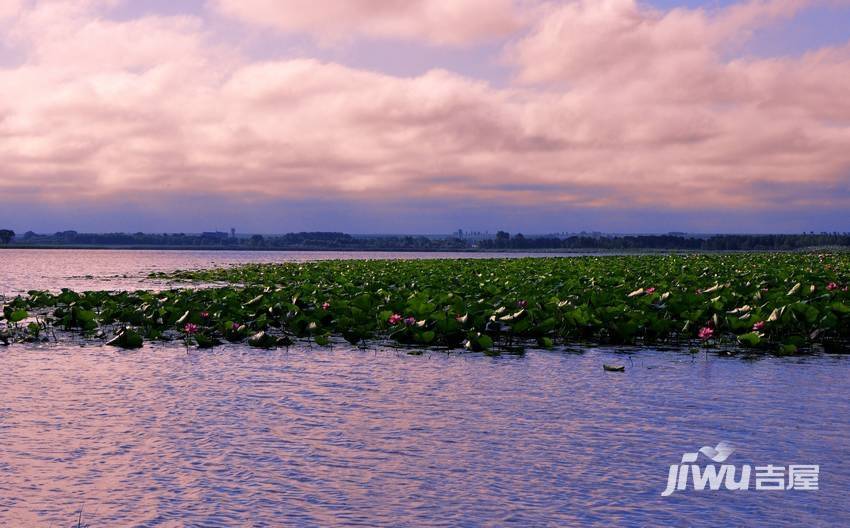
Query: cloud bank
{"type": "Point", "coordinates": [614, 106]}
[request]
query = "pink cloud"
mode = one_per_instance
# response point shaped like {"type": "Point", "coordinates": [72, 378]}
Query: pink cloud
{"type": "Point", "coordinates": [10, 8]}
{"type": "Point", "coordinates": [622, 39]}
{"type": "Point", "coordinates": [619, 106]}
{"type": "Point", "coordinates": [444, 22]}
{"type": "Point", "coordinates": [653, 89]}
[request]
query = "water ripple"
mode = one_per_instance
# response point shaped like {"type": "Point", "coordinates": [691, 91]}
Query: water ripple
{"type": "Point", "coordinates": [321, 437]}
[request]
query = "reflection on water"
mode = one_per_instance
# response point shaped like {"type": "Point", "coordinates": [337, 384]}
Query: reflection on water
{"type": "Point", "coordinates": [337, 436]}
{"type": "Point", "coordinates": [22, 270]}
{"type": "Point", "coordinates": [377, 438]}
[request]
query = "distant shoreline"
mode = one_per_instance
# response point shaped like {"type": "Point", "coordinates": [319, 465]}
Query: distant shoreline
{"type": "Point", "coordinates": [502, 242]}
{"type": "Point", "coordinates": [552, 251]}
{"type": "Point", "coordinates": [315, 249]}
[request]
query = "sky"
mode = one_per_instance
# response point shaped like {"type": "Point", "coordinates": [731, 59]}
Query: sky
{"type": "Point", "coordinates": [425, 116]}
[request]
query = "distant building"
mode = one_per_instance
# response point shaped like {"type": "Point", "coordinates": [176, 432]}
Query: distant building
{"type": "Point", "coordinates": [214, 235]}
{"type": "Point", "coordinates": [474, 236]}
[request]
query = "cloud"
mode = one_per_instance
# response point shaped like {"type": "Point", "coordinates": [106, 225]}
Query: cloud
{"type": "Point", "coordinates": [612, 40]}
{"type": "Point", "coordinates": [10, 8]}
{"type": "Point", "coordinates": [654, 91]}
{"type": "Point", "coordinates": [442, 22]}
{"type": "Point", "coordinates": [617, 107]}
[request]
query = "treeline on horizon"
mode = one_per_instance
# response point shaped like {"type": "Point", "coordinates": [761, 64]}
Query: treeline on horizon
{"type": "Point", "coordinates": [501, 241]}
{"type": "Point", "coordinates": [674, 242]}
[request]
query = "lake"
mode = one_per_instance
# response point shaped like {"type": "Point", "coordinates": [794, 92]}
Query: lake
{"type": "Point", "coordinates": [377, 437]}
{"type": "Point", "coordinates": [22, 270]}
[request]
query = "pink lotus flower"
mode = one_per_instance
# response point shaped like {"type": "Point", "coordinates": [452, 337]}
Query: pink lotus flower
{"type": "Point", "coordinates": [522, 304]}
{"type": "Point", "coordinates": [235, 327]}
{"type": "Point", "coordinates": [706, 333]}
{"type": "Point", "coordinates": [410, 321]}
{"type": "Point", "coordinates": [832, 286]}
{"type": "Point", "coordinates": [650, 291]}
{"type": "Point", "coordinates": [325, 306]}
{"type": "Point", "coordinates": [759, 326]}
{"type": "Point", "coordinates": [205, 315]}
{"type": "Point", "coordinates": [190, 328]}
{"type": "Point", "coordinates": [394, 319]}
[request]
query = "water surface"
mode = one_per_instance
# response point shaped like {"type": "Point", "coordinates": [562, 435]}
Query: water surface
{"type": "Point", "coordinates": [22, 270]}
{"type": "Point", "coordinates": [320, 437]}
{"type": "Point", "coordinates": [342, 436]}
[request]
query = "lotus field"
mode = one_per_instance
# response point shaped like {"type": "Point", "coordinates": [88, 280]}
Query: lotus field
{"type": "Point", "coordinates": [772, 303]}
